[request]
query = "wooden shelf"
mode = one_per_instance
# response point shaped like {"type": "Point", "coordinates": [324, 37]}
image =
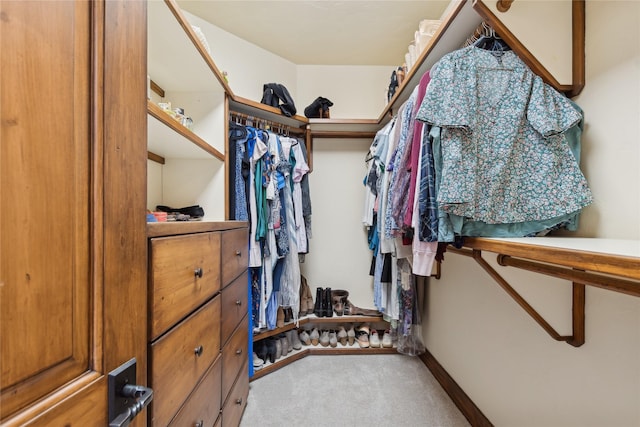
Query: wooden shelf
{"type": "Point", "coordinates": [265, 112]}
{"type": "Point", "coordinates": [317, 350]}
{"type": "Point", "coordinates": [169, 138]}
{"type": "Point", "coordinates": [314, 320]}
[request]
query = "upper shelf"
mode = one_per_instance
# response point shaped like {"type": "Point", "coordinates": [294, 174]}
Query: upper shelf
{"type": "Point", "coordinates": [168, 138]}
{"type": "Point", "coordinates": [172, 45]}
{"type": "Point", "coordinates": [461, 22]}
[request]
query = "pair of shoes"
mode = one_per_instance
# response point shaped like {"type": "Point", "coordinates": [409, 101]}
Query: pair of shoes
{"type": "Point", "coordinates": [338, 299]}
{"type": "Point", "coordinates": [305, 338]}
{"type": "Point", "coordinates": [351, 335]}
{"type": "Point", "coordinates": [323, 306]}
{"type": "Point", "coordinates": [324, 338]}
{"type": "Point", "coordinates": [387, 341]}
{"type": "Point", "coordinates": [362, 335]}
{"type": "Point", "coordinates": [287, 347]}
{"type": "Point", "coordinates": [314, 336]}
{"type": "Point", "coordinates": [374, 339]}
{"type": "Point", "coordinates": [342, 336]}
{"type": "Point", "coordinates": [294, 340]}
{"type": "Point", "coordinates": [306, 299]}
{"type": "Point", "coordinates": [283, 315]}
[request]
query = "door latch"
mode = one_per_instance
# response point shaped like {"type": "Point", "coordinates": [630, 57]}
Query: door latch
{"type": "Point", "coordinates": [126, 399]}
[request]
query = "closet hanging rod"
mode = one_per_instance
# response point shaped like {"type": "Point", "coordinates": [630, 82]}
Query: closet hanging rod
{"type": "Point", "coordinates": [271, 124]}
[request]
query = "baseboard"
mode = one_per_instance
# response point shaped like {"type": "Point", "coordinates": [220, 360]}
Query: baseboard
{"type": "Point", "coordinates": [469, 409]}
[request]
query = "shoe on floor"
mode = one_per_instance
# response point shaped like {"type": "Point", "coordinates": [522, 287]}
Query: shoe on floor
{"type": "Point", "coordinates": [324, 338]}
{"type": "Point", "coordinates": [294, 340]}
{"type": "Point", "coordinates": [304, 337]}
{"type": "Point", "coordinates": [314, 336]}
{"type": "Point", "coordinates": [257, 362]}
{"type": "Point", "coordinates": [374, 339]}
{"type": "Point", "coordinates": [342, 335]}
{"type": "Point", "coordinates": [387, 342]}
{"type": "Point", "coordinates": [362, 337]}
{"type": "Point", "coordinates": [351, 335]}
{"type": "Point", "coordinates": [333, 339]}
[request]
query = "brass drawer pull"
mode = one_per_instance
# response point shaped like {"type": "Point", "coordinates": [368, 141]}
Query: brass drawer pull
{"type": "Point", "coordinates": [198, 272]}
{"type": "Point", "coordinates": [239, 401]}
{"type": "Point", "coordinates": [239, 351]}
{"type": "Point", "coordinates": [238, 253]}
{"type": "Point", "coordinates": [238, 302]}
{"type": "Point", "coordinates": [198, 350]}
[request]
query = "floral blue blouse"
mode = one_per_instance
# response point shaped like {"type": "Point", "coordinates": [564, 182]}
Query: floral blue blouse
{"type": "Point", "coordinates": [505, 158]}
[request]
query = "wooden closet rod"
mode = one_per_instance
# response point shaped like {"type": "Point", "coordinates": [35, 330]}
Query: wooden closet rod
{"type": "Point", "coordinates": [264, 123]}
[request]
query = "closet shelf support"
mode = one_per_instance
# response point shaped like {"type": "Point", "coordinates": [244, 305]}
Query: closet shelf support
{"type": "Point", "coordinates": [578, 301]}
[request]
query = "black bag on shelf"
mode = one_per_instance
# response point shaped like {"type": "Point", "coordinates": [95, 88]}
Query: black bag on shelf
{"type": "Point", "coordinates": [276, 95]}
{"type": "Point", "coordinates": [318, 109]}
{"type": "Point", "coordinates": [195, 211]}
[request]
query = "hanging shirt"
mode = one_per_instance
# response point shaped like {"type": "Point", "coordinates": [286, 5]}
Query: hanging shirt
{"type": "Point", "coordinates": [505, 157]}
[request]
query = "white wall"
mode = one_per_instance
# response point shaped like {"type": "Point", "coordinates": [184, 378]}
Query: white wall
{"type": "Point", "coordinates": [506, 363]}
{"type": "Point", "coordinates": [357, 92]}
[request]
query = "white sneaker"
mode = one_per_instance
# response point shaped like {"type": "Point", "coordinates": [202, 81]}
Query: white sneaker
{"type": "Point", "coordinates": [257, 362]}
{"type": "Point", "coordinates": [387, 342]}
{"type": "Point", "coordinates": [374, 340]}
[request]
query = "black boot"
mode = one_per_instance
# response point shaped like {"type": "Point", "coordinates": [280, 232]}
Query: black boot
{"type": "Point", "coordinates": [328, 302]}
{"type": "Point", "coordinates": [260, 349]}
{"type": "Point", "coordinates": [271, 350]}
{"type": "Point", "coordinates": [318, 307]}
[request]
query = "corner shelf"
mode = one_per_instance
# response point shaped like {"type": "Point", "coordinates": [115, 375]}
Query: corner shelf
{"type": "Point", "coordinates": [175, 140]}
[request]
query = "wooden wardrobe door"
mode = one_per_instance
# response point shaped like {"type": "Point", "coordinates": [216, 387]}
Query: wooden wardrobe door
{"type": "Point", "coordinates": [72, 261]}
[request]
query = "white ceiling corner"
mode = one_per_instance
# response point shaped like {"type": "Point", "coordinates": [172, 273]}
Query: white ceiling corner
{"type": "Point", "coordinates": [323, 32]}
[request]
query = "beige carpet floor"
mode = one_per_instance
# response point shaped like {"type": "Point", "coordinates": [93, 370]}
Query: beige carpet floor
{"type": "Point", "coordinates": [351, 390]}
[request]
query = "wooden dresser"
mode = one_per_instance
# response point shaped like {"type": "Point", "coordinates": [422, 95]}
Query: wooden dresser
{"type": "Point", "coordinates": [198, 330]}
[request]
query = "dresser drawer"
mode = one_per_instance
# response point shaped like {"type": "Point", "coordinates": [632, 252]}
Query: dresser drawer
{"type": "Point", "coordinates": [236, 401]}
{"type": "Point", "coordinates": [180, 358]}
{"type": "Point", "coordinates": [234, 354]}
{"type": "Point", "coordinates": [203, 406]}
{"type": "Point", "coordinates": [185, 272]}
{"type": "Point", "coordinates": [234, 306]}
{"type": "Point", "coordinates": [235, 254]}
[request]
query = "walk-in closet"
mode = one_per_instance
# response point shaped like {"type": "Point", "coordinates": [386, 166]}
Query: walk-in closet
{"type": "Point", "coordinates": [395, 213]}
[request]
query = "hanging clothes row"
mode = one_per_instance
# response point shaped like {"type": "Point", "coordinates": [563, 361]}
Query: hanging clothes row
{"type": "Point", "coordinates": [269, 175]}
{"type": "Point", "coordinates": [482, 147]}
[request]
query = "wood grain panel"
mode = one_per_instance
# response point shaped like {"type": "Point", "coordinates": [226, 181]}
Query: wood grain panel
{"type": "Point", "coordinates": [175, 363]}
{"type": "Point", "coordinates": [176, 285]}
{"type": "Point", "coordinates": [234, 306]}
{"type": "Point", "coordinates": [203, 406]}
{"type": "Point", "coordinates": [234, 354]}
{"type": "Point", "coordinates": [235, 256]}
{"type": "Point", "coordinates": [236, 401]}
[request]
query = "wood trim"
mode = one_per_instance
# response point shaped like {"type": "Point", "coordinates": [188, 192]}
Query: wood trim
{"type": "Point", "coordinates": [186, 26]}
{"type": "Point", "coordinates": [619, 265]}
{"type": "Point", "coordinates": [308, 139]}
{"type": "Point", "coordinates": [155, 158]}
{"type": "Point", "coordinates": [503, 5]}
{"type": "Point", "coordinates": [578, 46]}
{"type": "Point", "coordinates": [316, 351]}
{"type": "Point", "coordinates": [159, 114]}
{"type": "Point", "coordinates": [517, 46]}
{"type": "Point", "coordinates": [578, 315]}
{"type": "Point", "coordinates": [175, 228]}
{"type": "Point", "coordinates": [464, 403]}
{"type": "Point", "coordinates": [317, 321]}
{"type": "Point", "coordinates": [157, 89]}
{"type": "Point", "coordinates": [260, 107]}
{"type": "Point", "coordinates": [342, 134]}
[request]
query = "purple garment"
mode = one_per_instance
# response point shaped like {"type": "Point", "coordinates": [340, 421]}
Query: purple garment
{"type": "Point", "coordinates": [415, 147]}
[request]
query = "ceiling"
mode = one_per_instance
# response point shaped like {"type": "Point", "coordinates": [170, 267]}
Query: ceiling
{"type": "Point", "coordinates": [323, 32]}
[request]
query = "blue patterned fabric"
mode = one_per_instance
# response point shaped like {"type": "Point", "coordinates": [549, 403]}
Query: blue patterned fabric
{"type": "Point", "coordinates": [427, 204]}
{"type": "Point", "coordinates": [505, 158]}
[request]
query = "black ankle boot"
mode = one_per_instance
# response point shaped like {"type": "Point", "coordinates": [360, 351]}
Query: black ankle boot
{"type": "Point", "coordinates": [271, 350]}
{"type": "Point", "coordinates": [328, 302]}
{"type": "Point", "coordinates": [260, 349]}
{"type": "Point", "coordinates": [318, 307]}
